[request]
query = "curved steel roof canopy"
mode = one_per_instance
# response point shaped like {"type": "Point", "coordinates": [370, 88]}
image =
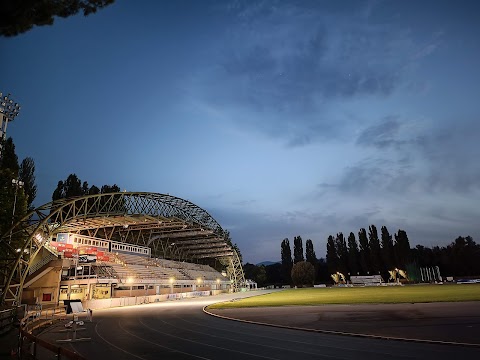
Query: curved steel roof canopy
{"type": "Point", "coordinates": [173, 228]}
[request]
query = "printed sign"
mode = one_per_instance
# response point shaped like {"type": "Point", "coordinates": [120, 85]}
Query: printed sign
{"type": "Point", "coordinates": [62, 238]}
{"type": "Point", "coordinates": [87, 258]}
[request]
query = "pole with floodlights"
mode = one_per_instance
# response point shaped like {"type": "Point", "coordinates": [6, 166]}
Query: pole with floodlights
{"type": "Point", "coordinates": [8, 111]}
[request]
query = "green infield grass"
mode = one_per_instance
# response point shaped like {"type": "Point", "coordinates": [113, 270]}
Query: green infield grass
{"type": "Point", "coordinates": [359, 295]}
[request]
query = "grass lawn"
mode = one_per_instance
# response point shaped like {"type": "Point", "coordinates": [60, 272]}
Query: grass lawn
{"type": "Point", "coordinates": [360, 295]}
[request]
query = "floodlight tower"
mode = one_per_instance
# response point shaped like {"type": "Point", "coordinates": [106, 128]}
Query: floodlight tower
{"type": "Point", "coordinates": [8, 111]}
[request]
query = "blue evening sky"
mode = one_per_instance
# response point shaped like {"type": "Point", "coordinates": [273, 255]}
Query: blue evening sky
{"type": "Point", "coordinates": [280, 118]}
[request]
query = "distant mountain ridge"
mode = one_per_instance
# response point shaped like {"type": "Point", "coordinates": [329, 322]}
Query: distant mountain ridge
{"type": "Point", "coordinates": [266, 263]}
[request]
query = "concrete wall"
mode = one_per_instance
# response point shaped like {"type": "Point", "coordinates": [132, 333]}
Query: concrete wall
{"type": "Point", "coordinates": [123, 301]}
{"type": "Point", "coordinates": [47, 284]}
{"type": "Point", "coordinates": [137, 300]}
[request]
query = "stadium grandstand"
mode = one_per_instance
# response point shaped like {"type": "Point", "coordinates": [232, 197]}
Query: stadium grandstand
{"type": "Point", "coordinates": [116, 245]}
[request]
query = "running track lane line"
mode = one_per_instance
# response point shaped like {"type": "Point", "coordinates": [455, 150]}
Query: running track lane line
{"type": "Point", "coordinates": [115, 346]}
{"type": "Point", "coordinates": [332, 332]}
{"type": "Point", "coordinates": [209, 345]}
{"type": "Point", "coordinates": [248, 342]}
{"type": "Point", "coordinates": [385, 353]}
{"type": "Point", "coordinates": [162, 346]}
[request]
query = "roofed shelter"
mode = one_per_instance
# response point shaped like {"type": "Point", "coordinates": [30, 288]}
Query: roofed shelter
{"type": "Point", "coordinates": [171, 227]}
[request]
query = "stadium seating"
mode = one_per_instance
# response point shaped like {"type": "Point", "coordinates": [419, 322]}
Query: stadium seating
{"type": "Point", "coordinates": [124, 266]}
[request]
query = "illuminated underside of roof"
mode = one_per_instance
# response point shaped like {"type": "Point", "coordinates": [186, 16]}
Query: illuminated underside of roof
{"type": "Point", "coordinates": [174, 228]}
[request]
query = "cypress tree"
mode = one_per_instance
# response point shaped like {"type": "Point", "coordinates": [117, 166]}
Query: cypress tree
{"type": "Point", "coordinates": [287, 262]}
{"type": "Point", "coordinates": [297, 249]}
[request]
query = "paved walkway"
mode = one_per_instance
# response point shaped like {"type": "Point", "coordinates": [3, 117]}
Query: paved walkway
{"type": "Point", "coordinates": [451, 322]}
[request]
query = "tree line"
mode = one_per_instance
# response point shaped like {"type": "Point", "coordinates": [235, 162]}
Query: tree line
{"type": "Point", "coordinates": [281, 273]}
{"type": "Point", "coordinates": [372, 254]}
{"type": "Point", "coordinates": [72, 186]}
{"type": "Point", "coordinates": [461, 258]}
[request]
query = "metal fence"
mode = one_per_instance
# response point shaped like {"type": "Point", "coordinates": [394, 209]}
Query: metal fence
{"type": "Point", "coordinates": [32, 347]}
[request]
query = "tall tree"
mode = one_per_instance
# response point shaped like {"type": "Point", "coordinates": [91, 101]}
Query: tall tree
{"type": "Point", "coordinates": [13, 202]}
{"type": "Point", "coordinates": [342, 253]}
{"type": "Point", "coordinates": [21, 16]}
{"type": "Point", "coordinates": [287, 262]}
{"type": "Point", "coordinates": [298, 249]}
{"type": "Point", "coordinates": [365, 262]}
{"type": "Point", "coordinates": [310, 253]}
{"type": "Point", "coordinates": [311, 257]}
{"type": "Point", "coordinates": [353, 255]}
{"type": "Point", "coordinates": [375, 253]}
{"type": "Point", "coordinates": [387, 249]}
{"type": "Point", "coordinates": [9, 159]}
{"type": "Point", "coordinates": [332, 256]}
{"type": "Point", "coordinates": [85, 188]}
{"type": "Point", "coordinates": [402, 249]}
{"type": "Point", "coordinates": [73, 186]}
{"type": "Point", "coordinates": [27, 175]}
{"type": "Point", "coordinates": [59, 192]}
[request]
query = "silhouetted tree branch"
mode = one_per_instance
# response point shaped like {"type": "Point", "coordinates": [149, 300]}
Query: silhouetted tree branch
{"type": "Point", "coordinates": [19, 16]}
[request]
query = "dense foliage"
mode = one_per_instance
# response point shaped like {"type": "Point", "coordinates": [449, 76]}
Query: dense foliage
{"type": "Point", "coordinates": [15, 200]}
{"type": "Point", "coordinates": [373, 256]}
{"type": "Point", "coordinates": [20, 16]}
{"type": "Point", "coordinates": [461, 258]}
{"type": "Point", "coordinates": [297, 249]}
{"type": "Point", "coordinates": [72, 186]}
{"type": "Point", "coordinates": [287, 262]}
{"type": "Point", "coordinates": [303, 274]}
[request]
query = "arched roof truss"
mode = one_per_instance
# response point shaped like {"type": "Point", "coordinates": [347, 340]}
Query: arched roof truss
{"type": "Point", "coordinates": [172, 227]}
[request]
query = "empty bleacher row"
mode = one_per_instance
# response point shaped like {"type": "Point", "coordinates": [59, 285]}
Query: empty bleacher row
{"type": "Point", "coordinates": [190, 270]}
{"type": "Point", "coordinates": [125, 266]}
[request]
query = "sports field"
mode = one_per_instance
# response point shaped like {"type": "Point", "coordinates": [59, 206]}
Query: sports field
{"type": "Point", "coordinates": [360, 295]}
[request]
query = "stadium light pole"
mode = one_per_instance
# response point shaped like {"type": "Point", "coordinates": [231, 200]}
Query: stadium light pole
{"type": "Point", "coordinates": [8, 111]}
{"type": "Point", "coordinates": [18, 184]}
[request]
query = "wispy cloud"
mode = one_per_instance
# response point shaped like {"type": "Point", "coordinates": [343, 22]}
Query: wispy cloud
{"type": "Point", "coordinates": [380, 135]}
{"type": "Point", "coordinates": [283, 65]}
